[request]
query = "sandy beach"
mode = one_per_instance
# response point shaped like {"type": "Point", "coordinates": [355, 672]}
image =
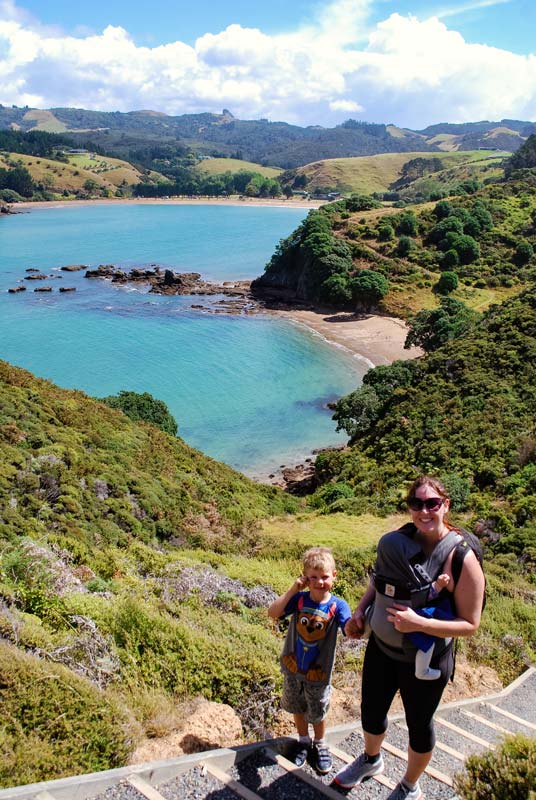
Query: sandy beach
{"type": "Point", "coordinates": [280, 202]}
{"type": "Point", "coordinates": [376, 339]}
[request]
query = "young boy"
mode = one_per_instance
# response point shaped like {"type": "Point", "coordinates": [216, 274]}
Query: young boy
{"type": "Point", "coordinates": [309, 652]}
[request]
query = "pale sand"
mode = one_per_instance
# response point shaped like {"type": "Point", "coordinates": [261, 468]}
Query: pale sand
{"type": "Point", "coordinates": [377, 340]}
{"type": "Point", "coordinates": [193, 201]}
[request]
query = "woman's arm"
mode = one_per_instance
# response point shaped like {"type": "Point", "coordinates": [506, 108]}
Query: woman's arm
{"type": "Point", "coordinates": [355, 626]}
{"type": "Point", "coordinates": [468, 597]}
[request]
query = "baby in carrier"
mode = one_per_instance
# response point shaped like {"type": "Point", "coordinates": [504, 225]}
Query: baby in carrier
{"type": "Point", "coordinates": [424, 641]}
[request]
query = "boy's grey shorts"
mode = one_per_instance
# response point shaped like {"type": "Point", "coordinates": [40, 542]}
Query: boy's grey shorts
{"type": "Point", "coordinates": [310, 699]}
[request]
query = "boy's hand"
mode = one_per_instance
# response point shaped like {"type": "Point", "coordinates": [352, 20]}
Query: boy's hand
{"type": "Point", "coordinates": [302, 582]}
{"type": "Point", "coordinates": [355, 626]}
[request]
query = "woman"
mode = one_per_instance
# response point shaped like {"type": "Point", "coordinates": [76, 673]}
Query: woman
{"type": "Point", "coordinates": [407, 561]}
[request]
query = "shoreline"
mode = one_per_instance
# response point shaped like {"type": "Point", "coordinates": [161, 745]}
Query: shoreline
{"type": "Point", "coordinates": [264, 202]}
{"type": "Point", "coordinates": [375, 339]}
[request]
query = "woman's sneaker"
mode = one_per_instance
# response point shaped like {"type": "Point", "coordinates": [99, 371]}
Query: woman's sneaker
{"type": "Point", "coordinates": [358, 771]}
{"type": "Point", "coordinates": [403, 792]}
{"type": "Point", "coordinates": [321, 759]}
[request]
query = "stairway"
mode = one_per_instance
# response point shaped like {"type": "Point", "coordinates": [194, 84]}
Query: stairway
{"type": "Point", "coordinates": [262, 772]}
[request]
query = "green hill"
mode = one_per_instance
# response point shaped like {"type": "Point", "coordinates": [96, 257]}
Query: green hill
{"type": "Point", "coordinates": [378, 173]}
{"type": "Point", "coordinates": [410, 249]}
{"type": "Point", "coordinates": [218, 166]}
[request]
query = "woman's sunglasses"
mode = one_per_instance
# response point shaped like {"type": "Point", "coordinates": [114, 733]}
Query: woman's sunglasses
{"type": "Point", "coordinates": [430, 504]}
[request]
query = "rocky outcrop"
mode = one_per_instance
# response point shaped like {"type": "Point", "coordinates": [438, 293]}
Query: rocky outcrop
{"type": "Point", "coordinates": [170, 283]}
{"type": "Point", "coordinates": [17, 289]}
{"type": "Point", "coordinates": [74, 267]}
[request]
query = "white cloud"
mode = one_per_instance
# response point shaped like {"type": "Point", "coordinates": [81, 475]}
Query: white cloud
{"type": "Point", "coordinates": [348, 106]}
{"type": "Point", "coordinates": [400, 70]}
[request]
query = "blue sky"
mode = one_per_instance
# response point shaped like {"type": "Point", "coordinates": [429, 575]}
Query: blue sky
{"type": "Point", "coordinates": [508, 25]}
{"type": "Point", "coordinates": [413, 63]}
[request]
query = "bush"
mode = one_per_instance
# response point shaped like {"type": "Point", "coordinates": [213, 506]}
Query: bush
{"type": "Point", "coordinates": [144, 407]}
{"type": "Point", "coordinates": [524, 252]}
{"type": "Point", "coordinates": [55, 723]}
{"type": "Point", "coordinates": [508, 773]}
{"type": "Point", "coordinates": [385, 232]}
{"type": "Point", "coordinates": [447, 283]}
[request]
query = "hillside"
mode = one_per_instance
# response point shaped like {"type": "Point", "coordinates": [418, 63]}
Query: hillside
{"type": "Point", "coordinates": [218, 166]}
{"type": "Point", "coordinates": [89, 174]}
{"type": "Point", "coordinates": [134, 576]}
{"type": "Point", "coordinates": [260, 141]}
{"type": "Point", "coordinates": [382, 173]}
{"type": "Point", "coordinates": [486, 238]}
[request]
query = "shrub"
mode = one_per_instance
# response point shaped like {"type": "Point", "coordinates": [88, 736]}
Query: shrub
{"type": "Point", "coordinates": [407, 224]}
{"type": "Point", "coordinates": [405, 246]}
{"type": "Point", "coordinates": [55, 723]}
{"type": "Point", "coordinates": [385, 232]}
{"type": "Point", "coordinates": [508, 773]}
{"type": "Point", "coordinates": [447, 283]}
{"type": "Point", "coordinates": [335, 290]}
{"type": "Point", "coordinates": [144, 407]}
{"type": "Point", "coordinates": [524, 252]}
{"type": "Point", "coordinates": [450, 259]}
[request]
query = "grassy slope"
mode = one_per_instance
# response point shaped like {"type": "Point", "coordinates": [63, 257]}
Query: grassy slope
{"type": "Point", "coordinates": [368, 174]}
{"type": "Point", "coordinates": [217, 166]}
{"type": "Point", "coordinates": [107, 173]}
{"type": "Point", "coordinates": [45, 121]}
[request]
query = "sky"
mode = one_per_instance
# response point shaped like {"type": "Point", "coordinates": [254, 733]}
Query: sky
{"type": "Point", "coordinates": [412, 63]}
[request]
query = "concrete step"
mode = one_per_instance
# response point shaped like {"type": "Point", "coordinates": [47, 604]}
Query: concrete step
{"type": "Point", "coordinates": [261, 771]}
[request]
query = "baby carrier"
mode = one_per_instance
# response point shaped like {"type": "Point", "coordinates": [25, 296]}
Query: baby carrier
{"type": "Point", "coordinates": [404, 574]}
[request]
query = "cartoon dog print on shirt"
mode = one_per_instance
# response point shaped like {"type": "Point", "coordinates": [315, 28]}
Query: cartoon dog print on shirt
{"type": "Point", "coordinates": [311, 627]}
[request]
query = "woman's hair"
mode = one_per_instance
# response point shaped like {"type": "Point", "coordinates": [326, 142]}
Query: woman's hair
{"type": "Point", "coordinates": [318, 558]}
{"type": "Point", "coordinates": [427, 480]}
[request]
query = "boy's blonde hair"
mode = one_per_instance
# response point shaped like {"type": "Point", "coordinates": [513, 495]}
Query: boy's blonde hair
{"type": "Point", "coordinates": [318, 558]}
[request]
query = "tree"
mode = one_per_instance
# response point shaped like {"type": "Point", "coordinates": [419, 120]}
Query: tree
{"type": "Point", "coordinates": [404, 246]}
{"type": "Point", "coordinates": [368, 288]}
{"type": "Point", "coordinates": [362, 202]}
{"type": "Point", "coordinates": [442, 209]}
{"type": "Point", "coordinates": [144, 407]}
{"type": "Point", "coordinates": [524, 158]}
{"type": "Point", "coordinates": [385, 232]}
{"type": "Point", "coordinates": [431, 329]}
{"type": "Point", "coordinates": [18, 180]}
{"type": "Point", "coordinates": [524, 252]}
{"type": "Point", "coordinates": [447, 283]}
{"type": "Point", "coordinates": [407, 224]}
{"type": "Point", "coordinates": [360, 410]}
{"type": "Point", "coordinates": [336, 290]}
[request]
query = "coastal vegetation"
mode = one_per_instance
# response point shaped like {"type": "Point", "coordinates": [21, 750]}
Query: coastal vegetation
{"type": "Point", "coordinates": [135, 571]}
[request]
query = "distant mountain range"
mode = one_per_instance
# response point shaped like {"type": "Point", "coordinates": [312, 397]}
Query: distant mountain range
{"type": "Point", "coordinates": [268, 143]}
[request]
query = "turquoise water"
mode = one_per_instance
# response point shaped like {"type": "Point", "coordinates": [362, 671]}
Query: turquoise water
{"type": "Point", "coordinates": [247, 390]}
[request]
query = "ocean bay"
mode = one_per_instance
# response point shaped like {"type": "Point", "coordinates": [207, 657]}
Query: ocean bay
{"type": "Point", "coordinates": [249, 390]}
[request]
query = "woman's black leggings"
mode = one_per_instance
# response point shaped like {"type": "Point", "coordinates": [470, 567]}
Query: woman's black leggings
{"type": "Point", "coordinates": [382, 676]}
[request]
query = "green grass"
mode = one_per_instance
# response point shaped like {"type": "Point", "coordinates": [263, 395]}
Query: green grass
{"type": "Point", "coordinates": [340, 531]}
{"type": "Point", "coordinates": [217, 166]}
{"type": "Point", "coordinates": [45, 121]}
{"type": "Point", "coordinates": [368, 174]}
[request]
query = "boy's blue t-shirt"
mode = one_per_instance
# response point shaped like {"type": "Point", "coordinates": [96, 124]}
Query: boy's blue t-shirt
{"type": "Point", "coordinates": [309, 649]}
